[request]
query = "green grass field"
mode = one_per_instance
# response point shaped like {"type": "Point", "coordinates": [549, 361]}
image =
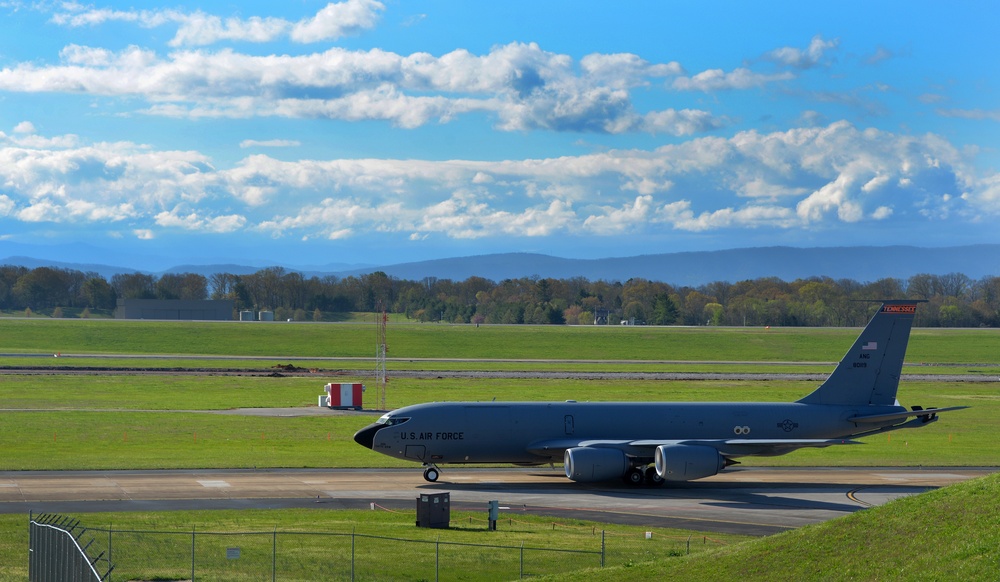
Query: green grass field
{"type": "Point", "coordinates": [51, 336]}
{"type": "Point", "coordinates": [123, 422]}
{"type": "Point", "coordinates": [305, 553]}
{"type": "Point", "coordinates": [157, 420]}
{"type": "Point", "coordinates": [62, 421]}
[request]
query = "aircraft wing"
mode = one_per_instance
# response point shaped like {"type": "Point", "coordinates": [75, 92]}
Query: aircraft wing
{"type": "Point", "coordinates": [784, 443]}
{"type": "Point", "coordinates": [743, 447]}
{"type": "Point", "coordinates": [879, 418]}
{"type": "Point", "coordinates": [555, 447]}
{"type": "Point", "coordinates": [728, 447]}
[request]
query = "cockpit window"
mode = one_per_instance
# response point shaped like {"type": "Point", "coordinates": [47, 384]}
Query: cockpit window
{"type": "Point", "coordinates": [389, 420]}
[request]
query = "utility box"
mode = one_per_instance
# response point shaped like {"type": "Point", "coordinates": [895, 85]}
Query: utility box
{"type": "Point", "coordinates": [342, 396]}
{"type": "Point", "coordinates": [434, 510]}
{"type": "Point", "coordinates": [493, 513]}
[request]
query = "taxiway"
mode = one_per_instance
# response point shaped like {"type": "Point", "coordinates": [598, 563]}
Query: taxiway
{"type": "Point", "coordinates": [749, 501]}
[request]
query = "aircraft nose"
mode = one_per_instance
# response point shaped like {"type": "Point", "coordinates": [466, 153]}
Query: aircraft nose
{"type": "Point", "coordinates": [366, 436]}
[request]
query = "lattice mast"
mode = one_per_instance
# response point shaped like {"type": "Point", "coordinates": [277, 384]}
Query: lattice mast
{"type": "Point", "coordinates": [381, 380]}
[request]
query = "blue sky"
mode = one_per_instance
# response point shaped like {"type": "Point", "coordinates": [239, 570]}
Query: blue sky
{"type": "Point", "coordinates": [377, 132]}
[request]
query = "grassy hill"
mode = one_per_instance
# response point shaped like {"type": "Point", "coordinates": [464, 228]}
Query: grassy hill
{"type": "Point", "coordinates": [948, 534]}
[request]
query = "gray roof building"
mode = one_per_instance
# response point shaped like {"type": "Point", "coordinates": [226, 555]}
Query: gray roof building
{"type": "Point", "coordinates": [204, 310]}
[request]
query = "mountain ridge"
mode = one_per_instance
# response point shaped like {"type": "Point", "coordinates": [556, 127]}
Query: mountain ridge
{"type": "Point", "coordinates": [691, 268]}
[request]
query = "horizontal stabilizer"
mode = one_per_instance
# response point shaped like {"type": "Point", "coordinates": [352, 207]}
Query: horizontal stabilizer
{"type": "Point", "coordinates": [880, 418]}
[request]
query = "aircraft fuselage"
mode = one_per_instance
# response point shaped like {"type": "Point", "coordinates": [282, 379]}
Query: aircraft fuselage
{"type": "Point", "coordinates": [530, 432]}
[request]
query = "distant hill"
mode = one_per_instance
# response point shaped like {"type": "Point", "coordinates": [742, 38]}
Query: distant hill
{"type": "Point", "coordinates": [863, 264]}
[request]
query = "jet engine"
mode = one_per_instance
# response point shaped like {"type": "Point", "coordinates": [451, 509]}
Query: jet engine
{"type": "Point", "coordinates": [586, 464]}
{"type": "Point", "coordinates": [687, 462]}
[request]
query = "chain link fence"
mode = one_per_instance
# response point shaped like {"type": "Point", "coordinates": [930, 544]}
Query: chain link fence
{"type": "Point", "coordinates": [296, 555]}
{"type": "Point", "coordinates": [60, 550]}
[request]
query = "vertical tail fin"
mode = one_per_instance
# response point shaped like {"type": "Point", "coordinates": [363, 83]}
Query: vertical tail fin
{"type": "Point", "coordinates": [869, 372]}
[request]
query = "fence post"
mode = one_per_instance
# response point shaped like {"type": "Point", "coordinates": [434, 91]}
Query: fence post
{"type": "Point", "coordinates": [274, 555]}
{"type": "Point", "coordinates": [109, 551]}
{"type": "Point", "coordinates": [192, 553]}
{"type": "Point", "coordinates": [602, 548]}
{"type": "Point", "coordinates": [437, 560]}
{"type": "Point", "coordinates": [522, 561]}
{"type": "Point", "coordinates": [352, 555]}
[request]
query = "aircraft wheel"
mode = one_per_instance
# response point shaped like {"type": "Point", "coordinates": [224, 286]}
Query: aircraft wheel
{"type": "Point", "coordinates": [652, 478]}
{"type": "Point", "coordinates": [634, 476]}
{"type": "Point", "coordinates": [431, 474]}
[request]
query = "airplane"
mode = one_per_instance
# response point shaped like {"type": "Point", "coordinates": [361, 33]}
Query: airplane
{"type": "Point", "coordinates": [658, 442]}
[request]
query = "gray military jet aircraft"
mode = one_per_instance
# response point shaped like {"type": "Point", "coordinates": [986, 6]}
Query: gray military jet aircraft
{"type": "Point", "coordinates": [654, 442]}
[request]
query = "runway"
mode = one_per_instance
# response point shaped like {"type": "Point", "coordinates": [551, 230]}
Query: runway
{"type": "Point", "coordinates": [749, 501]}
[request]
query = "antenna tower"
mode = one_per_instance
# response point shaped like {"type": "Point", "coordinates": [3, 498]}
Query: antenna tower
{"type": "Point", "coordinates": [380, 349]}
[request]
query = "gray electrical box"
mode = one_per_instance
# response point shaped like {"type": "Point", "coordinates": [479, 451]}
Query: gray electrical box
{"type": "Point", "coordinates": [493, 509]}
{"type": "Point", "coordinates": [434, 510]}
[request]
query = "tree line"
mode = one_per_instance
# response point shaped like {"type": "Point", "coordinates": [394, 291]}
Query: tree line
{"type": "Point", "coordinates": [953, 300]}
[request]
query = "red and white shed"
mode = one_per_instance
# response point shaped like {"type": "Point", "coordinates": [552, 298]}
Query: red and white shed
{"type": "Point", "coordinates": [343, 395]}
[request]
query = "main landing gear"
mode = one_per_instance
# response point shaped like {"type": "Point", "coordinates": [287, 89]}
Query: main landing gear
{"type": "Point", "coordinates": [642, 475]}
{"type": "Point", "coordinates": [431, 473]}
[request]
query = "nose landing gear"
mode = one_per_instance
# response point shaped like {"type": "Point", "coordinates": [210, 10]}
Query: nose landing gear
{"type": "Point", "coordinates": [431, 473]}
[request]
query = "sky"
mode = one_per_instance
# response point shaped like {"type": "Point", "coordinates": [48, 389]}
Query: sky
{"type": "Point", "coordinates": [370, 132]}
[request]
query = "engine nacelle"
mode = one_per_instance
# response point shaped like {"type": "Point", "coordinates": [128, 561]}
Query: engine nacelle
{"type": "Point", "coordinates": [687, 462]}
{"type": "Point", "coordinates": [586, 464]}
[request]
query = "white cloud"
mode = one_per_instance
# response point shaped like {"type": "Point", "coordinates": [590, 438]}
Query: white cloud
{"type": "Point", "coordinates": [881, 54]}
{"type": "Point", "coordinates": [201, 29]}
{"type": "Point", "coordinates": [783, 180]}
{"type": "Point", "coordinates": [24, 127]}
{"type": "Point", "coordinates": [875, 183]}
{"type": "Point", "coordinates": [620, 220]}
{"type": "Point", "coordinates": [43, 210]}
{"type": "Point", "coordinates": [6, 205]}
{"type": "Point", "coordinates": [143, 234]}
{"type": "Point", "coordinates": [932, 98]}
{"type": "Point", "coordinates": [974, 114]}
{"type": "Point", "coordinates": [269, 143]}
{"type": "Point", "coordinates": [524, 87]}
{"type": "Point", "coordinates": [719, 80]}
{"type": "Point", "coordinates": [684, 122]}
{"type": "Point", "coordinates": [93, 212]}
{"type": "Point", "coordinates": [338, 19]}
{"type": "Point", "coordinates": [333, 21]}
{"type": "Point", "coordinates": [30, 140]}
{"type": "Point", "coordinates": [624, 70]}
{"type": "Point", "coordinates": [882, 213]}
{"type": "Point", "coordinates": [802, 59]}
{"type": "Point", "coordinates": [744, 78]}
{"type": "Point", "coordinates": [196, 222]}
{"type": "Point", "coordinates": [79, 15]}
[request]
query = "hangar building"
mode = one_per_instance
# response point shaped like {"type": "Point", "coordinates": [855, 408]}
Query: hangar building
{"type": "Point", "coordinates": [209, 309]}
